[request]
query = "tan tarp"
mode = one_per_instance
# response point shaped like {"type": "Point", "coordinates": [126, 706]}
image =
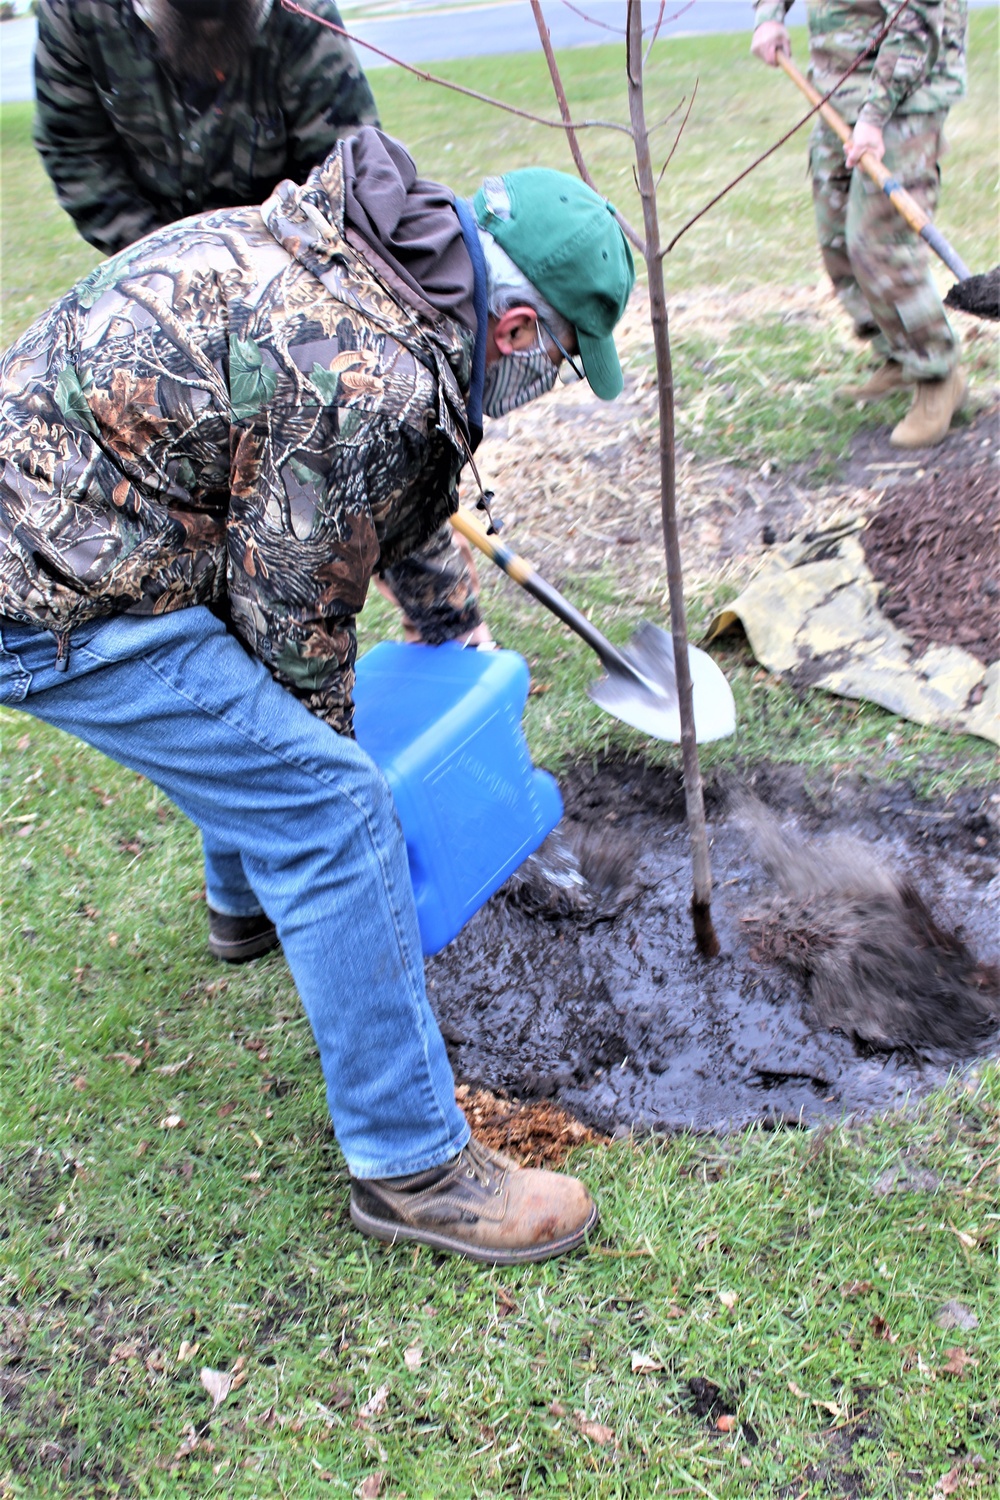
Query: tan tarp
{"type": "Point", "coordinates": [812, 612]}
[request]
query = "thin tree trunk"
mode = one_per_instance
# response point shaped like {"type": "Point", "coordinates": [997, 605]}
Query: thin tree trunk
{"type": "Point", "coordinates": [701, 901]}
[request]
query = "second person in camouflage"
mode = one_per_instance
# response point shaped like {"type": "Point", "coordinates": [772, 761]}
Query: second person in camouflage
{"type": "Point", "coordinates": [897, 101]}
{"type": "Point", "coordinates": [150, 110]}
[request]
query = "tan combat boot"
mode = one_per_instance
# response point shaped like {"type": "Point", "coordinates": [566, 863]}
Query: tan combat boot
{"type": "Point", "coordinates": [886, 381]}
{"type": "Point", "coordinates": [480, 1205]}
{"type": "Point", "coordinates": [934, 405]}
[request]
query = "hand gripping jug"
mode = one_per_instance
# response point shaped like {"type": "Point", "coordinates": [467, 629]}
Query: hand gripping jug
{"type": "Point", "coordinates": [444, 726]}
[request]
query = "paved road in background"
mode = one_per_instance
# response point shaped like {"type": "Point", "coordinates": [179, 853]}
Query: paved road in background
{"type": "Point", "coordinates": [424, 35]}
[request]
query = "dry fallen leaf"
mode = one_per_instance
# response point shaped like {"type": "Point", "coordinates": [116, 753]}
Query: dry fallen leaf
{"type": "Point", "coordinates": [796, 1391]}
{"type": "Point", "coordinates": [413, 1357]}
{"type": "Point", "coordinates": [955, 1361]}
{"type": "Point", "coordinates": [949, 1483]}
{"type": "Point", "coordinates": [129, 1060]}
{"type": "Point", "coordinates": [171, 1122]}
{"type": "Point", "coordinates": [556, 1409]}
{"type": "Point", "coordinates": [596, 1431]}
{"type": "Point", "coordinates": [726, 1422]}
{"type": "Point", "coordinates": [645, 1364]}
{"type": "Point", "coordinates": [169, 1069]}
{"type": "Point", "coordinates": [728, 1299]}
{"type": "Point", "coordinates": [881, 1330]}
{"type": "Point", "coordinates": [855, 1288]}
{"type": "Point", "coordinates": [371, 1486]}
{"type": "Point", "coordinates": [955, 1315]}
{"type": "Point", "coordinates": [376, 1405]}
{"type": "Point", "coordinates": [218, 1384]}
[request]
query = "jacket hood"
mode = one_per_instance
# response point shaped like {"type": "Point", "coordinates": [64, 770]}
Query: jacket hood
{"type": "Point", "coordinates": [378, 236]}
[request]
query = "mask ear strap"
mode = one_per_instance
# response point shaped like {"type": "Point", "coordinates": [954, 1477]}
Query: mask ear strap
{"type": "Point", "coordinates": [495, 525]}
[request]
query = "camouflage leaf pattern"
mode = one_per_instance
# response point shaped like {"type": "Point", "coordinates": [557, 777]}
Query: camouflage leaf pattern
{"type": "Point", "coordinates": [129, 151]}
{"type": "Point", "coordinates": [241, 411]}
{"type": "Point", "coordinates": [918, 69]}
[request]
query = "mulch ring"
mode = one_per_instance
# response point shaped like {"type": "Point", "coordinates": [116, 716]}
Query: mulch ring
{"type": "Point", "coordinates": [934, 546]}
{"type": "Point", "coordinates": [534, 1135]}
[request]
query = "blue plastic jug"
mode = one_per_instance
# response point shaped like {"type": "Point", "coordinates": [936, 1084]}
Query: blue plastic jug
{"type": "Point", "coordinates": [444, 725]}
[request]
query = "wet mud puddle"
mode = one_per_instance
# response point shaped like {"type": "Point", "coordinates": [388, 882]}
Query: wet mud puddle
{"type": "Point", "coordinates": [590, 993]}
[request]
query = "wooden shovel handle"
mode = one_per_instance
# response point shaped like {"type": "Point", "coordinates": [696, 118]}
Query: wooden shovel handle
{"type": "Point", "coordinates": [523, 573]}
{"type": "Point", "coordinates": [907, 206]}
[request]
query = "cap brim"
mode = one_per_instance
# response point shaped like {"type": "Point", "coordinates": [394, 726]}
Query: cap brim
{"type": "Point", "coordinates": [600, 364]}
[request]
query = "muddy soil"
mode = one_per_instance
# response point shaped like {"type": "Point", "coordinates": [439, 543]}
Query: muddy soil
{"type": "Point", "coordinates": [606, 1011]}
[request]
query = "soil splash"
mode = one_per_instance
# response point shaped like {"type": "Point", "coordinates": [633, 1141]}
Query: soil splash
{"type": "Point", "coordinates": [591, 995]}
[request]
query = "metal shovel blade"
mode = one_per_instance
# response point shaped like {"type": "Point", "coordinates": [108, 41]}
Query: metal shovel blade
{"type": "Point", "coordinates": [651, 705]}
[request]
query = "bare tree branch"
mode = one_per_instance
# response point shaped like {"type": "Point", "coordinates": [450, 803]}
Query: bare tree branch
{"type": "Point", "coordinates": [701, 902]}
{"type": "Point", "coordinates": [680, 132]}
{"type": "Point", "coordinates": [445, 83]}
{"type": "Point", "coordinates": [659, 124]}
{"type": "Point", "coordinates": [659, 22]}
{"type": "Point", "coordinates": [574, 145]}
{"type": "Point", "coordinates": [593, 21]}
{"type": "Point", "coordinates": [656, 31]}
{"type": "Point", "coordinates": [795, 128]}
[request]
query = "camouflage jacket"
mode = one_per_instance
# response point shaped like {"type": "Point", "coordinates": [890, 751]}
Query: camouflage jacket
{"type": "Point", "coordinates": [129, 149]}
{"type": "Point", "coordinates": [919, 68]}
{"type": "Point", "coordinates": [248, 411]}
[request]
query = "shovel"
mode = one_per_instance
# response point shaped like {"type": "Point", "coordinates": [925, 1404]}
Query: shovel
{"type": "Point", "coordinates": [973, 294]}
{"type": "Point", "coordinates": [640, 685]}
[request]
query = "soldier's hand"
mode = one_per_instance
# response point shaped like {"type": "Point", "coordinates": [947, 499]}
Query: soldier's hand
{"type": "Point", "coordinates": [864, 137]}
{"type": "Point", "coordinates": [770, 38]}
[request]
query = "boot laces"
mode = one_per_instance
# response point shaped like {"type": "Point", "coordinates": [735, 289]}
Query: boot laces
{"type": "Point", "coordinates": [479, 1162]}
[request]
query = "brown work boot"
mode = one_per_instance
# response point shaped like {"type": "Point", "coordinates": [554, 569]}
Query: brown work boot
{"type": "Point", "coordinates": [481, 1205]}
{"type": "Point", "coordinates": [934, 405]}
{"type": "Point", "coordinates": [238, 939]}
{"type": "Point", "coordinates": [885, 381]}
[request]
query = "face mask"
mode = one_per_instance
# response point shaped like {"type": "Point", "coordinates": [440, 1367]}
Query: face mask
{"type": "Point", "coordinates": [516, 379]}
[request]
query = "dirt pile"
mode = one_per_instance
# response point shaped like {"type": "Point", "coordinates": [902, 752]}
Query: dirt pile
{"type": "Point", "coordinates": [876, 964]}
{"type": "Point", "coordinates": [935, 548]}
{"type": "Point", "coordinates": [979, 295]}
{"type": "Point", "coordinates": [602, 1008]}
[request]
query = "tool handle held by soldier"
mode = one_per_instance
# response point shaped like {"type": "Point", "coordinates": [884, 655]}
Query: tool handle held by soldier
{"type": "Point", "coordinates": [901, 200]}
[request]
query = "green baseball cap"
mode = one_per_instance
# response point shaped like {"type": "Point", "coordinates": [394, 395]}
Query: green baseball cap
{"type": "Point", "coordinates": [565, 239]}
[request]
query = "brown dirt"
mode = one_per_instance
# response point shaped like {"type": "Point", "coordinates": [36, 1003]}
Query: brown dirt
{"type": "Point", "coordinates": [935, 548]}
{"type": "Point", "coordinates": [979, 295]}
{"type": "Point", "coordinates": [534, 1135]}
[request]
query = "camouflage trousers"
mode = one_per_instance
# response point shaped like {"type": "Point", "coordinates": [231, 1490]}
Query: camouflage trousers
{"type": "Point", "coordinates": [879, 267]}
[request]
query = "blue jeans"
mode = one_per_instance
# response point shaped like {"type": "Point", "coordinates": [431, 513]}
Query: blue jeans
{"type": "Point", "coordinates": [296, 820]}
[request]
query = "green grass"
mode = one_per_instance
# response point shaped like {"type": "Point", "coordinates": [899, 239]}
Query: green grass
{"type": "Point", "coordinates": [760, 233]}
{"type": "Point", "coordinates": [123, 1239]}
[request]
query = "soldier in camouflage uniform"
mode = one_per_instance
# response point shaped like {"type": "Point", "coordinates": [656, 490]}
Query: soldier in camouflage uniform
{"type": "Point", "coordinates": [207, 448]}
{"type": "Point", "coordinates": [897, 101]}
{"type": "Point", "coordinates": [137, 129]}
